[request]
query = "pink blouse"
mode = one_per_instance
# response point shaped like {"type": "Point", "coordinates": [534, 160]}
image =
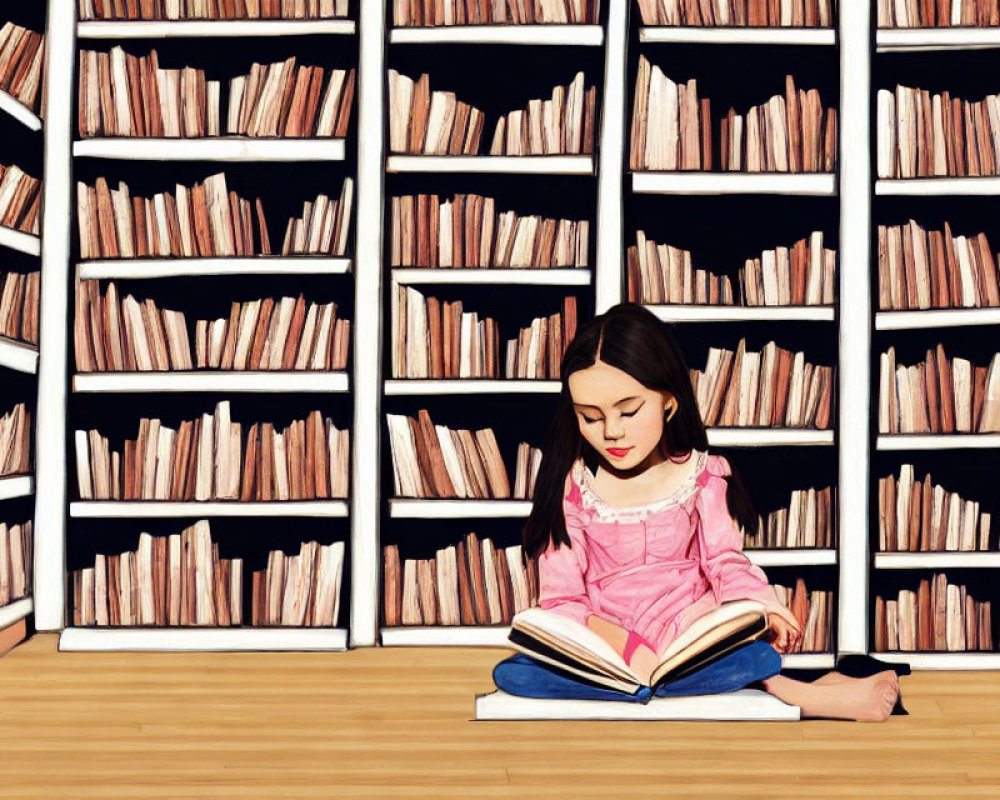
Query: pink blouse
{"type": "Point", "coordinates": [652, 569]}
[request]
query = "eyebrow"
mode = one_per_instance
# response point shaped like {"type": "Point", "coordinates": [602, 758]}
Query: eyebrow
{"type": "Point", "coordinates": [620, 402]}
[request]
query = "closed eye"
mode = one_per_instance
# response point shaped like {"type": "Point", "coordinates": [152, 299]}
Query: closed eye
{"type": "Point", "coordinates": [588, 419]}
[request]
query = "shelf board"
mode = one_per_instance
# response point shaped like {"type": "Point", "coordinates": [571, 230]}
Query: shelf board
{"type": "Point", "coordinates": [570, 276]}
{"type": "Point", "coordinates": [752, 437]}
{"type": "Point", "coordinates": [901, 40]}
{"type": "Point", "coordinates": [547, 34]}
{"type": "Point", "coordinates": [15, 612]}
{"type": "Point", "coordinates": [419, 508]}
{"type": "Point", "coordinates": [986, 185]}
{"type": "Point", "coordinates": [17, 486]}
{"type": "Point", "coordinates": [695, 182]}
{"type": "Point", "coordinates": [217, 148]}
{"type": "Point", "coordinates": [139, 268]}
{"type": "Point", "coordinates": [933, 441]}
{"type": "Point", "coordinates": [676, 34]}
{"type": "Point", "coordinates": [211, 381]}
{"type": "Point", "coordinates": [202, 639]}
{"type": "Point", "coordinates": [19, 111]}
{"type": "Point", "coordinates": [20, 356]}
{"type": "Point", "coordinates": [29, 243]}
{"type": "Point", "coordinates": [792, 557]}
{"type": "Point", "coordinates": [943, 660]}
{"type": "Point", "coordinates": [936, 560]}
{"type": "Point", "coordinates": [809, 660]}
{"type": "Point", "coordinates": [412, 386]}
{"type": "Point", "coordinates": [936, 318]}
{"type": "Point", "coordinates": [671, 312]}
{"type": "Point", "coordinates": [152, 509]}
{"type": "Point", "coordinates": [175, 29]}
{"type": "Point", "coordinates": [446, 635]}
{"type": "Point", "coordinates": [536, 165]}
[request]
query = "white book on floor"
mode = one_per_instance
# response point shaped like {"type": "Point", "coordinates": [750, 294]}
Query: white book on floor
{"type": "Point", "coordinates": [744, 704]}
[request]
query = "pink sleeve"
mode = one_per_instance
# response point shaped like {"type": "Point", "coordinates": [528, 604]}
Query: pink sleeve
{"type": "Point", "coordinates": [562, 587]}
{"type": "Point", "coordinates": [732, 575]}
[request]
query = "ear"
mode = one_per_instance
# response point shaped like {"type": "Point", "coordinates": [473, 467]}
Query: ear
{"type": "Point", "coordinates": [670, 406]}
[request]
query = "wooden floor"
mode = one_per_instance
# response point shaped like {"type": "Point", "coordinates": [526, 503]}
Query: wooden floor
{"type": "Point", "coordinates": [398, 723]}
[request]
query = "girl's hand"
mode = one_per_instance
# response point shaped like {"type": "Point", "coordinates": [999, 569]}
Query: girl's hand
{"type": "Point", "coordinates": [643, 663]}
{"type": "Point", "coordinates": [785, 628]}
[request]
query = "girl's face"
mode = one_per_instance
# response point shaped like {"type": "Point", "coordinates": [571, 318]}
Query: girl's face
{"type": "Point", "coordinates": [619, 417]}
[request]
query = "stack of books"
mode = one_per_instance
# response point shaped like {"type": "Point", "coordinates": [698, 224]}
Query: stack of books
{"type": "Point", "coordinates": [19, 306]}
{"type": "Point", "coordinates": [814, 612]}
{"type": "Point", "coordinates": [15, 561]}
{"type": "Point", "coordinates": [15, 441]}
{"type": "Point", "coordinates": [22, 60]}
{"type": "Point", "coordinates": [302, 590]}
{"type": "Point", "coordinates": [807, 522]}
{"type": "Point", "coordinates": [211, 9]}
{"type": "Point", "coordinates": [738, 13]}
{"type": "Point", "coordinates": [428, 13]}
{"type": "Point", "coordinates": [563, 125]}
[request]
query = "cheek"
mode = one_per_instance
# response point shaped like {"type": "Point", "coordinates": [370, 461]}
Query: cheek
{"type": "Point", "coordinates": [649, 429]}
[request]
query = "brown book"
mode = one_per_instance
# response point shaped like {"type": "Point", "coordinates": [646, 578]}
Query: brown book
{"type": "Point", "coordinates": [926, 515]}
{"type": "Point", "coordinates": [438, 474]}
{"type": "Point", "coordinates": [933, 395]}
{"type": "Point", "coordinates": [294, 335]}
{"type": "Point", "coordinates": [427, 591]}
{"type": "Point", "coordinates": [505, 586]}
{"type": "Point", "coordinates": [467, 614]}
{"type": "Point", "coordinates": [947, 402]}
{"type": "Point", "coordinates": [248, 478]}
{"type": "Point", "coordinates": [425, 470]}
{"type": "Point", "coordinates": [392, 585]}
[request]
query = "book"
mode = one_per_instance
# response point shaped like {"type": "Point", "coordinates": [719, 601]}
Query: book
{"type": "Point", "coordinates": [570, 646]}
{"type": "Point", "coordinates": [739, 13]}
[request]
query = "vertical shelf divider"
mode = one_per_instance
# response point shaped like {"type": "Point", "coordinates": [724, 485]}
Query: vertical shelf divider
{"type": "Point", "coordinates": [50, 421]}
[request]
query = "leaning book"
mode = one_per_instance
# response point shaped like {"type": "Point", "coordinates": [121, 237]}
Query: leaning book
{"type": "Point", "coordinates": [567, 645]}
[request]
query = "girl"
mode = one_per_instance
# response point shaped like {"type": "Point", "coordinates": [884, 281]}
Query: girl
{"type": "Point", "coordinates": [632, 521]}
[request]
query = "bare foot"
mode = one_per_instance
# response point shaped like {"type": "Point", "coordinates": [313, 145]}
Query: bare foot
{"type": "Point", "coordinates": [840, 697]}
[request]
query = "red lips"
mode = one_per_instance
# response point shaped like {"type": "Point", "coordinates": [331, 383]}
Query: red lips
{"type": "Point", "coordinates": [618, 452]}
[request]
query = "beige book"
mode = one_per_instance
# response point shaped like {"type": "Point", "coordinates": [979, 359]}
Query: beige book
{"type": "Point", "coordinates": [447, 587]}
{"type": "Point", "coordinates": [491, 581]}
{"type": "Point", "coordinates": [411, 603]}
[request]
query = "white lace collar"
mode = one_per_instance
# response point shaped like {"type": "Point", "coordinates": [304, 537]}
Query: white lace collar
{"type": "Point", "coordinates": [591, 499]}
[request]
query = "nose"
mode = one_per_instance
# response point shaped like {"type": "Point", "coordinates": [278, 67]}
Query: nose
{"type": "Point", "coordinates": [613, 429]}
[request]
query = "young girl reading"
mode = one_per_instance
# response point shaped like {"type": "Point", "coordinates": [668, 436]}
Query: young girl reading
{"type": "Point", "coordinates": [633, 521]}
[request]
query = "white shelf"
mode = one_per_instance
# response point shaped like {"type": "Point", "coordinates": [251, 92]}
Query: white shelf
{"type": "Point", "coordinates": [15, 612]}
{"type": "Point", "coordinates": [29, 243]}
{"type": "Point", "coordinates": [221, 148]}
{"type": "Point", "coordinates": [809, 660]}
{"type": "Point", "coordinates": [139, 268]}
{"type": "Point", "coordinates": [571, 276]}
{"type": "Point", "coordinates": [936, 560]}
{"type": "Point", "coordinates": [943, 660]}
{"type": "Point", "coordinates": [695, 182]}
{"type": "Point", "coordinates": [202, 639]}
{"type": "Point", "coordinates": [933, 441]}
{"type": "Point", "coordinates": [936, 318]}
{"type": "Point", "coordinates": [20, 356]}
{"type": "Point", "coordinates": [986, 185]}
{"type": "Point", "coordinates": [718, 313]}
{"type": "Point", "coordinates": [151, 509]}
{"type": "Point", "coordinates": [550, 34]}
{"type": "Point", "coordinates": [898, 40]}
{"type": "Point", "coordinates": [174, 29]}
{"type": "Point", "coordinates": [446, 635]}
{"type": "Point", "coordinates": [738, 35]}
{"type": "Point", "coordinates": [16, 486]}
{"type": "Point", "coordinates": [755, 437]}
{"type": "Point", "coordinates": [19, 111]}
{"type": "Point", "coordinates": [418, 508]}
{"type": "Point", "coordinates": [211, 381]}
{"type": "Point", "coordinates": [414, 386]}
{"type": "Point", "coordinates": [805, 556]}
{"type": "Point", "coordinates": [535, 165]}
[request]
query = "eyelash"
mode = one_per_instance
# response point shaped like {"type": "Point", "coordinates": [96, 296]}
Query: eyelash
{"type": "Point", "coordinates": [624, 414]}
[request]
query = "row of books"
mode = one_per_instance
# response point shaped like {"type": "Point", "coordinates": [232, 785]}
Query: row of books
{"type": "Point", "coordinates": [125, 95]}
{"type": "Point", "coordinates": [809, 521]}
{"type": "Point", "coordinates": [772, 388]}
{"type": "Point", "coordinates": [204, 220]}
{"type": "Point", "coordinates": [672, 129]}
{"type": "Point", "coordinates": [19, 306]}
{"type": "Point", "coordinates": [167, 580]}
{"type": "Point", "coordinates": [268, 334]}
{"type": "Point", "coordinates": [15, 441]}
{"type": "Point", "coordinates": [206, 459]}
{"type": "Point", "coordinates": [301, 590]}
{"type": "Point", "coordinates": [210, 9]}
{"type": "Point", "coordinates": [16, 544]}
{"type": "Point", "coordinates": [814, 612]}
{"type": "Point", "coordinates": [738, 13]}
{"type": "Point", "coordinates": [22, 56]}
{"type": "Point", "coordinates": [921, 135]}
{"type": "Point", "coordinates": [431, 13]}
{"type": "Point", "coordinates": [938, 615]}
{"type": "Point", "coordinates": [800, 275]}
{"type": "Point", "coordinates": [20, 199]}
{"type": "Point", "coordinates": [435, 339]}
{"type": "Point", "coordinates": [468, 231]}
{"type": "Point", "coordinates": [934, 269]}
{"type": "Point", "coordinates": [938, 395]}
{"type": "Point", "coordinates": [916, 516]}
{"type": "Point", "coordinates": [938, 14]}
{"type": "Point", "coordinates": [431, 460]}
{"type": "Point", "coordinates": [422, 122]}
{"type": "Point", "coordinates": [471, 583]}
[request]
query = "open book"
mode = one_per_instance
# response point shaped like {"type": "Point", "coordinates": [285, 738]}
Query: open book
{"type": "Point", "coordinates": [570, 646]}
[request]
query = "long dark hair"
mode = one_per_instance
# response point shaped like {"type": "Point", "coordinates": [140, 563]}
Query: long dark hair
{"type": "Point", "coordinates": [632, 339]}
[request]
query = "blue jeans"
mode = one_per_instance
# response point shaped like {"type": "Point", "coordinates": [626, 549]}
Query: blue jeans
{"type": "Point", "coordinates": [525, 677]}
